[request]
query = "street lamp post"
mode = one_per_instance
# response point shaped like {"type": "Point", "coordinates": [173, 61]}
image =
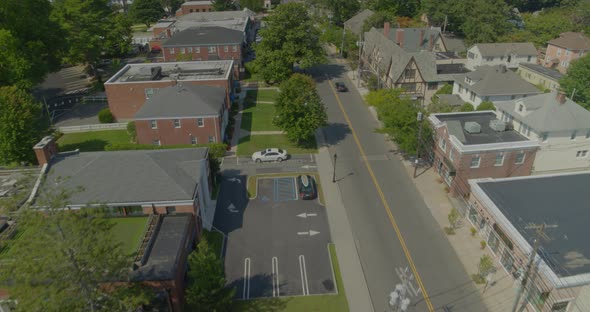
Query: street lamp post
{"type": "Point", "coordinates": [419, 118]}
{"type": "Point", "coordinates": [334, 173]}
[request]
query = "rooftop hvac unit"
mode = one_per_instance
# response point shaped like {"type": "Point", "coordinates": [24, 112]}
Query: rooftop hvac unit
{"type": "Point", "coordinates": [472, 127]}
{"type": "Point", "coordinates": [497, 125]}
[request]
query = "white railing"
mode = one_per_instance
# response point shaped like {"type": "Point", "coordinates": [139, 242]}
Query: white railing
{"type": "Point", "coordinates": [96, 127]}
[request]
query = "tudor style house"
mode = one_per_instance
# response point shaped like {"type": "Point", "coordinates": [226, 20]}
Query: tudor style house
{"type": "Point", "coordinates": [492, 83]}
{"type": "Point", "coordinates": [568, 47]}
{"type": "Point", "coordinates": [183, 114]}
{"type": "Point", "coordinates": [558, 124]}
{"type": "Point", "coordinates": [507, 54]}
{"type": "Point", "coordinates": [478, 145]}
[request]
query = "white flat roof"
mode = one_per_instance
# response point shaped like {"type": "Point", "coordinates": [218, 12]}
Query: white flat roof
{"type": "Point", "coordinates": [191, 71]}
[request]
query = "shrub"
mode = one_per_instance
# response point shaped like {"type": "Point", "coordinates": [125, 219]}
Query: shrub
{"type": "Point", "coordinates": [132, 130]}
{"type": "Point", "coordinates": [467, 107]}
{"type": "Point", "coordinates": [486, 105]}
{"type": "Point", "coordinates": [483, 244]}
{"type": "Point", "coordinates": [449, 230]}
{"type": "Point", "coordinates": [105, 116]}
{"type": "Point", "coordinates": [473, 231]}
{"type": "Point", "coordinates": [454, 218]}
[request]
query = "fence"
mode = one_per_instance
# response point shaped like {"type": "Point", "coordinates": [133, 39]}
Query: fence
{"type": "Point", "coordinates": [96, 127]}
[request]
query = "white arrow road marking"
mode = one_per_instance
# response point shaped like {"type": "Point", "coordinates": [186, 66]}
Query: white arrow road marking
{"type": "Point", "coordinates": [305, 215]}
{"type": "Point", "coordinates": [408, 279]}
{"type": "Point", "coordinates": [310, 233]}
{"type": "Point", "coordinates": [308, 167]}
{"type": "Point", "coordinates": [302, 233]}
{"type": "Point", "coordinates": [234, 180]}
{"type": "Point", "coordinates": [275, 277]}
{"type": "Point", "coordinates": [232, 208]}
{"type": "Point", "coordinates": [246, 289]}
{"type": "Point", "coordinates": [303, 270]}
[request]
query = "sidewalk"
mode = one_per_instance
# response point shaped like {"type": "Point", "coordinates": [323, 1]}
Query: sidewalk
{"type": "Point", "coordinates": [355, 286]}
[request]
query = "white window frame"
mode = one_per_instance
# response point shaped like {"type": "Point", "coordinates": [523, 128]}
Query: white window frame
{"type": "Point", "coordinates": [190, 49]}
{"type": "Point", "coordinates": [451, 156]}
{"type": "Point", "coordinates": [211, 49]}
{"type": "Point", "coordinates": [176, 123]}
{"type": "Point", "coordinates": [200, 122]}
{"type": "Point", "coordinates": [182, 50]}
{"type": "Point", "coordinates": [193, 140]}
{"type": "Point", "coordinates": [171, 50]}
{"type": "Point", "coordinates": [197, 49]}
{"type": "Point", "coordinates": [234, 48]}
{"type": "Point", "coordinates": [582, 154]}
{"type": "Point", "coordinates": [523, 158]}
{"type": "Point", "coordinates": [478, 157]}
{"type": "Point", "coordinates": [558, 51]}
{"type": "Point", "coordinates": [225, 48]}
{"type": "Point", "coordinates": [496, 164]}
{"type": "Point", "coordinates": [211, 139]}
{"type": "Point", "coordinates": [154, 124]}
{"type": "Point", "coordinates": [156, 142]}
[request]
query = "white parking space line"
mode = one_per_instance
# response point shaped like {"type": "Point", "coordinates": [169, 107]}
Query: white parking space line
{"type": "Point", "coordinates": [246, 289]}
{"type": "Point", "coordinates": [303, 270]}
{"type": "Point", "coordinates": [275, 277]}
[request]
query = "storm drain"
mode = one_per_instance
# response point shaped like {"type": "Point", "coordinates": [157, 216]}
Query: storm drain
{"type": "Point", "coordinates": [285, 189]}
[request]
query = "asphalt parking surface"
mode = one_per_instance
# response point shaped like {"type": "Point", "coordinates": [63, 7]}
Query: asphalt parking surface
{"type": "Point", "coordinates": [277, 244]}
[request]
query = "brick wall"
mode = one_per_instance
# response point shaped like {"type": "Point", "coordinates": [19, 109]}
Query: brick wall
{"type": "Point", "coordinates": [552, 53]}
{"type": "Point", "coordinates": [191, 8]}
{"type": "Point", "coordinates": [169, 135]}
{"type": "Point", "coordinates": [201, 53]}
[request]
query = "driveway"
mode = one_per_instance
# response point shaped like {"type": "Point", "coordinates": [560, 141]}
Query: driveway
{"type": "Point", "coordinates": [277, 245]}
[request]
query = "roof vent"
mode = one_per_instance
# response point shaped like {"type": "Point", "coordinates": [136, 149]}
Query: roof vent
{"type": "Point", "coordinates": [497, 125]}
{"type": "Point", "coordinates": [472, 127]}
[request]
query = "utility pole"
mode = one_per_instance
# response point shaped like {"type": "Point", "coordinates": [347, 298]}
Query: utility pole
{"type": "Point", "coordinates": [342, 46]}
{"type": "Point", "coordinates": [360, 44]}
{"type": "Point", "coordinates": [573, 93]}
{"type": "Point", "coordinates": [445, 24]}
{"type": "Point", "coordinates": [419, 118]}
{"type": "Point", "coordinates": [334, 172]}
{"type": "Point", "coordinates": [525, 279]}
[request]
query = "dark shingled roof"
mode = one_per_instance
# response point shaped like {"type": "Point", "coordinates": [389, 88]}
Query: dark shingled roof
{"type": "Point", "coordinates": [456, 126]}
{"type": "Point", "coordinates": [185, 100]}
{"type": "Point", "coordinates": [560, 200]}
{"type": "Point", "coordinates": [355, 23]}
{"type": "Point", "coordinates": [163, 258]}
{"type": "Point", "coordinates": [196, 36]}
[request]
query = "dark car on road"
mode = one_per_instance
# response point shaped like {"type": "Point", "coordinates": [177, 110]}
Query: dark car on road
{"type": "Point", "coordinates": [307, 187]}
{"type": "Point", "coordinates": [341, 87]}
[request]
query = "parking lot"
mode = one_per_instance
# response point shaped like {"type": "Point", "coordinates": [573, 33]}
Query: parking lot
{"type": "Point", "coordinates": [277, 244]}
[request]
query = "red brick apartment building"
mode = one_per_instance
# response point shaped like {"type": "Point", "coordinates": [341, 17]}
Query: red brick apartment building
{"type": "Point", "coordinates": [477, 145]}
{"type": "Point", "coordinates": [129, 89]}
{"type": "Point", "coordinates": [565, 49]}
{"type": "Point", "coordinates": [183, 114]}
{"type": "Point", "coordinates": [194, 6]}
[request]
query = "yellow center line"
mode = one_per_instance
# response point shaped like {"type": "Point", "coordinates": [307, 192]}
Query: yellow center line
{"type": "Point", "coordinates": [385, 204]}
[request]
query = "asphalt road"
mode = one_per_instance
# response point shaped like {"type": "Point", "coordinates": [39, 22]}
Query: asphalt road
{"type": "Point", "coordinates": [383, 259]}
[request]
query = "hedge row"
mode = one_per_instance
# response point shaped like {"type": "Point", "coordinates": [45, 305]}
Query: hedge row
{"type": "Point", "coordinates": [216, 150]}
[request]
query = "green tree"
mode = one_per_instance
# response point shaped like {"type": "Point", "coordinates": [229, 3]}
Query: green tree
{"type": "Point", "coordinates": [542, 27]}
{"type": "Point", "coordinates": [146, 11]}
{"type": "Point", "coordinates": [398, 116]}
{"type": "Point", "coordinates": [407, 8]}
{"type": "Point", "coordinates": [206, 289]}
{"type": "Point", "coordinates": [487, 21]}
{"type": "Point", "coordinates": [578, 79]}
{"type": "Point", "coordinates": [466, 107]}
{"type": "Point", "coordinates": [299, 109]}
{"type": "Point", "coordinates": [223, 5]}
{"type": "Point", "coordinates": [117, 42]}
{"type": "Point", "coordinates": [378, 19]}
{"type": "Point", "coordinates": [486, 105]}
{"type": "Point", "coordinates": [67, 273]}
{"type": "Point", "coordinates": [254, 5]}
{"type": "Point", "coordinates": [290, 37]}
{"type": "Point", "coordinates": [171, 6]}
{"type": "Point", "coordinates": [30, 42]}
{"type": "Point", "coordinates": [22, 122]}
{"type": "Point", "coordinates": [453, 12]}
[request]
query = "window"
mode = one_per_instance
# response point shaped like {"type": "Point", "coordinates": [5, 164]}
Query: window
{"type": "Point", "coordinates": [225, 48]}
{"type": "Point", "coordinates": [410, 73]}
{"type": "Point", "coordinates": [234, 48]}
{"type": "Point", "coordinates": [154, 124]}
{"type": "Point", "coordinates": [156, 142]}
{"type": "Point", "coordinates": [470, 55]}
{"type": "Point", "coordinates": [451, 157]}
{"type": "Point", "coordinates": [528, 59]}
{"type": "Point", "coordinates": [212, 49]}
{"type": "Point", "coordinates": [499, 159]}
{"type": "Point", "coordinates": [211, 139]}
{"type": "Point", "coordinates": [489, 59]}
{"type": "Point", "coordinates": [468, 80]}
{"type": "Point", "coordinates": [486, 98]}
{"type": "Point", "coordinates": [560, 306]}
{"type": "Point", "coordinates": [442, 143]}
{"type": "Point", "coordinates": [573, 137]}
{"type": "Point", "coordinates": [519, 158]}
{"type": "Point", "coordinates": [410, 87]}
{"type": "Point", "coordinates": [588, 134]}
{"type": "Point", "coordinates": [582, 154]}
{"type": "Point", "coordinates": [460, 89]}
{"type": "Point", "coordinates": [182, 50]}
{"type": "Point", "coordinates": [558, 51]}
{"type": "Point", "coordinates": [190, 49]}
{"type": "Point", "coordinates": [176, 123]}
{"type": "Point", "coordinates": [200, 122]}
{"type": "Point", "coordinates": [197, 49]}
{"type": "Point", "coordinates": [544, 137]}
{"type": "Point", "coordinates": [432, 85]}
{"type": "Point", "coordinates": [193, 140]}
{"type": "Point", "coordinates": [475, 160]}
{"type": "Point", "coordinates": [171, 50]}
{"type": "Point", "coordinates": [567, 52]}
{"type": "Point", "coordinates": [501, 58]}
{"type": "Point", "coordinates": [520, 107]}
{"type": "Point", "coordinates": [471, 95]}
{"type": "Point", "coordinates": [148, 93]}
{"type": "Point", "coordinates": [170, 210]}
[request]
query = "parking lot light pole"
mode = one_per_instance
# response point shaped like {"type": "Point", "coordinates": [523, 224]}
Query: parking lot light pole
{"type": "Point", "coordinates": [419, 118]}
{"type": "Point", "coordinates": [334, 173]}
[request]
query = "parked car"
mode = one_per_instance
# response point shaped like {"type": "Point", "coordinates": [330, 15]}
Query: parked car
{"type": "Point", "coordinates": [270, 154]}
{"type": "Point", "coordinates": [341, 87]}
{"type": "Point", "coordinates": [307, 187]}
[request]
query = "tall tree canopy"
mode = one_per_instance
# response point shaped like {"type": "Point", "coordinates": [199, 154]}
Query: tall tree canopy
{"type": "Point", "coordinates": [407, 8]}
{"type": "Point", "coordinates": [299, 109]}
{"type": "Point", "coordinates": [578, 79]}
{"type": "Point", "coordinates": [487, 21]}
{"type": "Point", "coordinates": [22, 123]}
{"type": "Point", "coordinates": [171, 6]}
{"type": "Point", "coordinates": [30, 42]}
{"type": "Point", "coordinates": [290, 37]}
{"type": "Point", "coordinates": [147, 11]}
{"type": "Point", "coordinates": [254, 5]}
{"type": "Point", "coordinates": [224, 5]}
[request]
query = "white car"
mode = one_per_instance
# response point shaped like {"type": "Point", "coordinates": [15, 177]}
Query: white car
{"type": "Point", "coordinates": [270, 154]}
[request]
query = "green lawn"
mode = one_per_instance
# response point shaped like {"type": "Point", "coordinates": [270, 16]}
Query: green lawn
{"type": "Point", "coordinates": [253, 143]}
{"type": "Point", "coordinates": [129, 231]}
{"type": "Point", "coordinates": [249, 75]}
{"type": "Point", "coordinates": [336, 303]}
{"type": "Point", "coordinates": [91, 141]}
{"type": "Point", "coordinates": [258, 117]}
{"type": "Point", "coordinates": [265, 95]}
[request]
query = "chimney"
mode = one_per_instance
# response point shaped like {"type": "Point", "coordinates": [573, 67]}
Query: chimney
{"type": "Point", "coordinates": [560, 96]}
{"type": "Point", "coordinates": [431, 43]}
{"type": "Point", "coordinates": [386, 28]}
{"type": "Point", "coordinates": [399, 37]}
{"type": "Point", "coordinates": [421, 42]}
{"type": "Point", "coordinates": [168, 32]}
{"type": "Point", "coordinates": [45, 150]}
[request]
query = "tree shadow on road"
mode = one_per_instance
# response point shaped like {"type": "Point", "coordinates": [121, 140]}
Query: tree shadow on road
{"type": "Point", "coordinates": [335, 132]}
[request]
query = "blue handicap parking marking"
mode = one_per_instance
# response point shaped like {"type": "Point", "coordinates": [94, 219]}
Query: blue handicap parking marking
{"type": "Point", "coordinates": [285, 189]}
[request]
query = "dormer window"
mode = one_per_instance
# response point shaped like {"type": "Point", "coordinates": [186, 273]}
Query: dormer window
{"type": "Point", "coordinates": [520, 107]}
{"type": "Point", "coordinates": [468, 80]}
